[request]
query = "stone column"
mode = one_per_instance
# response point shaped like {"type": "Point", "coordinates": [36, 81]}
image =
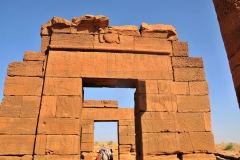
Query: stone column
{"type": "Point", "coordinates": [228, 14]}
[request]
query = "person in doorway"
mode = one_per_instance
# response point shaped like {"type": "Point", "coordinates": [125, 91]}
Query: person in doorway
{"type": "Point", "coordinates": [99, 156]}
{"type": "Point", "coordinates": [104, 154]}
{"type": "Point", "coordinates": [110, 153]}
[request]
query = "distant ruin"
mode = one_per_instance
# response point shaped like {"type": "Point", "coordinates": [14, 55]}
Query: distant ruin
{"type": "Point", "coordinates": [43, 114]}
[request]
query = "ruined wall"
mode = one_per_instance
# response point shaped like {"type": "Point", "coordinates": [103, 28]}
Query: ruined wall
{"type": "Point", "coordinates": [172, 108]}
{"type": "Point", "coordinates": [228, 14]}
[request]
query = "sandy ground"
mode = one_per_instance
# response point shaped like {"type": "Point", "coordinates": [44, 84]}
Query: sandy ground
{"type": "Point", "coordinates": [220, 148]}
{"type": "Point", "coordinates": [235, 151]}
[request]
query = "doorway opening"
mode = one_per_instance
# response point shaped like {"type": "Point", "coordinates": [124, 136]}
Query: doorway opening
{"type": "Point", "coordinates": [106, 135]}
{"type": "Point", "coordinates": [124, 96]}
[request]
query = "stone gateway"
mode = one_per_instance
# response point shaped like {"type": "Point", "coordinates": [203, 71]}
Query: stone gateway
{"type": "Point", "coordinates": [44, 116]}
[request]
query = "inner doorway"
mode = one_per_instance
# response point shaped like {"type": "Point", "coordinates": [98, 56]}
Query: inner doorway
{"type": "Point", "coordinates": [106, 135]}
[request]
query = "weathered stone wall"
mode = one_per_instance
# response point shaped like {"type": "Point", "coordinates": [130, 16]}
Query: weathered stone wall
{"type": "Point", "coordinates": [228, 14]}
{"type": "Point", "coordinates": [43, 95]}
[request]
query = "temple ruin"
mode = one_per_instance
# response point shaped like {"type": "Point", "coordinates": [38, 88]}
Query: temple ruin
{"type": "Point", "coordinates": [44, 116]}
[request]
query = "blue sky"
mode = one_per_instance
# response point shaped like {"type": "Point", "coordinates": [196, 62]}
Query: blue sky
{"type": "Point", "coordinates": [195, 22]}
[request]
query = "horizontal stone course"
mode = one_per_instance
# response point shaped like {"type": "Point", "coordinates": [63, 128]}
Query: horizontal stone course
{"type": "Point", "coordinates": [57, 145]}
{"type": "Point", "coordinates": [62, 86]}
{"type": "Point", "coordinates": [193, 104]}
{"type": "Point", "coordinates": [187, 62]}
{"type": "Point", "coordinates": [109, 65]}
{"type": "Point", "coordinates": [26, 69]}
{"type": "Point", "coordinates": [33, 56]}
{"type": "Point", "coordinates": [189, 74]}
{"type": "Point", "coordinates": [180, 49]}
{"type": "Point", "coordinates": [18, 126]}
{"type": "Point", "coordinates": [26, 86]}
{"type": "Point", "coordinates": [56, 126]}
{"type": "Point", "coordinates": [16, 144]}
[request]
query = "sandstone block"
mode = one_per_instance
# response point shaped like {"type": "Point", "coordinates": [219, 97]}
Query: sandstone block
{"type": "Point", "coordinates": [27, 86]}
{"type": "Point", "coordinates": [69, 106]}
{"type": "Point", "coordinates": [54, 157]}
{"type": "Point", "coordinates": [185, 143]}
{"type": "Point", "coordinates": [49, 106]}
{"type": "Point", "coordinates": [87, 147]}
{"type": "Point", "coordinates": [89, 103]}
{"type": "Point", "coordinates": [87, 122]}
{"type": "Point", "coordinates": [87, 138]}
{"type": "Point", "coordinates": [157, 157]}
{"type": "Point", "coordinates": [165, 87]}
{"type": "Point", "coordinates": [107, 114]}
{"type": "Point", "coordinates": [180, 88]}
{"type": "Point", "coordinates": [26, 157]}
{"type": "Point", "coordinates": [18, 126]}
{"type": "Point", "coordinates": [159, 143]}
{"type": "Point", "coordinates": [182, 62]}
{"type": "Point", "coordinates": [198, 157]}
{"type": "Point", "coordinates": [88, 156]}
{"type": "Point", "coordinates": [198, 88]}
{"type": "Point", "coordinates": [126, 113]}
{"type": "Point", "coordinates": [156, 102]}
{"type": "Point", "coordinates": [169, 87]}
{"type": "Point", "coordinates": [30, 106]}
{"type": "Point", "coordinates": [27, 69]}
{"type": "Point", "coordinates": [126, 123]}
{"type": "Point", "coordinates": [40, 146]}
{"type": "Point", "coordinates": [126, 130]}
{"type": "Point", "coordinates": [126, 139]}
{"type": "Point", "coordinates": [45, 43]}
{"type": "Point", "coordinates": [157, 45]}
{"type": "Point", "coordinates": [99, 104]}
{"type": "Point", "coordinates": [110, 103]}
{"type": "Point", "coordinates": [33, 56]}
{"type": "Point", "coordinates": [63, 86]}
{"type": "Point", "coordinates": [127, 156]}
{"type": "Point", "coordinates": [11, 106]}
{"type": "Point", "coordinates": [193, 103]}
{"type": "Point", "coordinates": [109, 65]}
{"type": "Point", "coordinates": [155, 122]}
{"type": "Point", "coordinates": [58, 126]}
{"type": "Point", "coordinates": [202, 141]}
{"type": "Point", "coordinates": [207, 120]}
{"type": "Point", "coordinates": [113, 42]}
{"type": "Point", "coordinates": [147, 86]}
{"type": "Point", "coordinates": [180, 49]}
{"type": "Point", "coordinates": [71, 41]}
{"type": "Point", "coordinates": [159, 31]}
{"type": "Point", "coordinates": [16, 144]}
{"type": "Point", "coordinates": [127, 30]}
{"type": "Point", "coordinates": [124, 149]}
{"type": "Point", "coordinates": [62, 145]}
{"type": "Point", "coordinates": [189, 74]}
{"type": "Point", "coordinates": [191, 122]}
{"type": "Point", "coordinates": [87, 129]}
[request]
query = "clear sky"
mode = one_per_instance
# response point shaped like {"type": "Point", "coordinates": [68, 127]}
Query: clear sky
{"type": "Point", "coordinates": [195, 21]}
